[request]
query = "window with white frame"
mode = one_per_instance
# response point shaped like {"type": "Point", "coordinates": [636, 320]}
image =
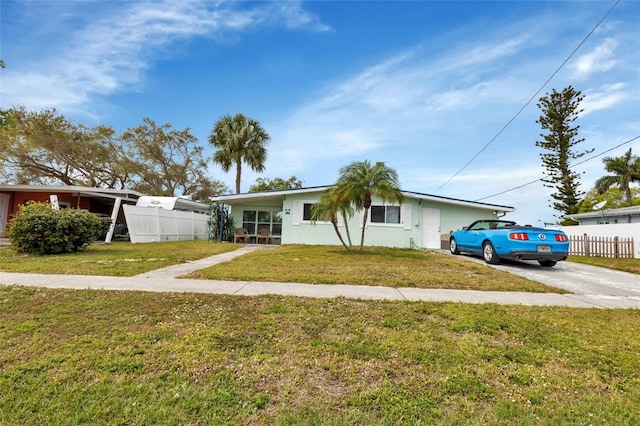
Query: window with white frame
{"type": "Point", "coordinates": [307, 211]}
{"type": "Point", "coordinates": [302, 212]}
{"type": "Point", "coordinates": [252, 220]}
{"type": "Point", "coordinates": [385, 214]}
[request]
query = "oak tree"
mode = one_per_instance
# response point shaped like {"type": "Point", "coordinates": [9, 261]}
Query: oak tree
{"type": "Point", "coordinates": [266, 184]}
{"type": "Point", "coordinates": [169, 162]}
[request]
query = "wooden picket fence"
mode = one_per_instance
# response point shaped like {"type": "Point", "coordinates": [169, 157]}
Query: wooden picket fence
{"type": "Point", "coordinates": [601, 246]}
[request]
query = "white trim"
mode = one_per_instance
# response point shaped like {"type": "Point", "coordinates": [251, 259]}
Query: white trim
{"type": "Point", "coordinates": [298, 214]}
{"type": "Point", "coordinates": [384, 224]}
{"type": "Point", "coordinates": [88, 191]}
{"type": "Point", "coordinates": [234, 199]}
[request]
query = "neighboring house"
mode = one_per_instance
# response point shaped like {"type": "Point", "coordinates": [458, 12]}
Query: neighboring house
{"type": "Point", "coordinates": [97, 200]}
{"type": "Point", "coordinates": [606, 225]}
{"type": "Point", "coordinates": [608, 216]}
{"type": "Point", "coordinates": [421, 220]}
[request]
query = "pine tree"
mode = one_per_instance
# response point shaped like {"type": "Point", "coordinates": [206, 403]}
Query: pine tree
{"type": "Point", "coordinates": [559, 111]}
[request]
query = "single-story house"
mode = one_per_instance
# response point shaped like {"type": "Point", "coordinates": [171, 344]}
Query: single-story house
{"type": "Point", "coordinates": [608, 228]}
{"type": "Point", "coordinates": [608, 216]}
{"type": "Point", "coordinates": [97, 200]}
{"type": "Point", "coordinates": [421, 220]}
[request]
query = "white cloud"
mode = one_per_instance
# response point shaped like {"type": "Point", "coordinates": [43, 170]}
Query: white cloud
{"type": "Point", "coordinates": [607, 97]}
{"type": "Point", "coordinates": [486, 53]}
{"type": "Point", "coordinates": [396, 105]}
{"type": "Point", "coordinates": [111, 53]}
{"type": "Point", "coordinates": [601, 58]}
{"type": "Point", "coordinates": [295, 17]}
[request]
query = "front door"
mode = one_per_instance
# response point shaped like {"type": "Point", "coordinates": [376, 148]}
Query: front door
{"type": "Point", "coordinates": [430, 228]}
{"type": "Point", "coordinates": [4, 213]}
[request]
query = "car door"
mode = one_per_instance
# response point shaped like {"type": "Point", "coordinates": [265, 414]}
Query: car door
{"type": "Point", "coordinates": [474, 237]}
{"type": "Point", "coordinates": [466, 240]}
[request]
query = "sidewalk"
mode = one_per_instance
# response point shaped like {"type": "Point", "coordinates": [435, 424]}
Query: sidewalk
{"type": "Point", "coordinates": [164, 280]}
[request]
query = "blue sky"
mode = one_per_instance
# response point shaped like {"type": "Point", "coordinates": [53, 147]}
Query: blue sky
{"type": "Point", "coordinates": [421, 85]}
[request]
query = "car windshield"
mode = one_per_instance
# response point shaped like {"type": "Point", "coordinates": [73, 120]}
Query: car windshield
{"type": "Point", "coordinates": [482, 225]}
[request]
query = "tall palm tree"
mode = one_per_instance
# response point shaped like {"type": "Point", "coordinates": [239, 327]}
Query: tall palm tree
{"type": "Point", "coordinates": [359, 181]}
{"type": "Point", "coordinates": [239, 139]}
{"type": "Point", "coordinates": [328, 208]}
{"type": "Point", "coordinates": [625, 169]}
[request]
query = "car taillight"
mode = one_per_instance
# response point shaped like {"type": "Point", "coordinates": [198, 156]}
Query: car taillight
{"type": "Point", "coordinates": [561, 237]}
{"type": "Point", "coordinates": [518, 236]}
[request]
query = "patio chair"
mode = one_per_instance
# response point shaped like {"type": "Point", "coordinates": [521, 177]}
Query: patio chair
{"type": "Point", "coordinates": [239, 234]}
{"type": "Point", "coordinates": [263, 234]}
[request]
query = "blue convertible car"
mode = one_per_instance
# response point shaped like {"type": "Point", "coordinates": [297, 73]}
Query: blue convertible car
{"type": "Point", "coordinates": [503, 239]}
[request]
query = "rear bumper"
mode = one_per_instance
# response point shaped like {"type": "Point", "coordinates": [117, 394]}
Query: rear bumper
{"type": "Point", "coordinates": [533, 255]}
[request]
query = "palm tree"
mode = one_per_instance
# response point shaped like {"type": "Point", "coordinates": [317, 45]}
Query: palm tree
{"type": "Point", "coordinates": [239, 139]}
{"type": "Point", "coordinates": [625, 169]}
{"type": "Point", "coordinates": [328, 208]}
{"type": "Point", "coordinates": [359, 181]}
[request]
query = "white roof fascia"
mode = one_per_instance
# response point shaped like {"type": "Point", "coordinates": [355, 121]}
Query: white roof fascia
{"type": "Point", "coordinates": [457, 202]}
{"type": "Point", "coordinates": [623, 211]}
{"type": "Point", "coordinates": [109, 196]}
{"type": "Point", "coordinates": [247, 196]}
{"type": "Point", "coordinates": [123, 193]}
{"type": "Point", "coordinates": [232, 199]}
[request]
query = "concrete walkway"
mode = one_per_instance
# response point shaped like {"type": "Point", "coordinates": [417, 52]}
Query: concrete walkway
{"type": "Point", "coordinates": [164, 280]}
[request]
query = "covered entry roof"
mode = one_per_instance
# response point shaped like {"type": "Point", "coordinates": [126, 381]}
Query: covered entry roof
{"type": "Point", "coordinates": [76, 191]}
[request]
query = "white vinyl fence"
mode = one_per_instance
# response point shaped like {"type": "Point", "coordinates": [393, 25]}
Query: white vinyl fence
{"type": "Point", "coordinates": [150, 224]}
{"type": "Point", "coordinates": [598, 236]}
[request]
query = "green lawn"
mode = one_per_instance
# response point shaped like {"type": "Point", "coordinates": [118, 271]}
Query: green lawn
{"type": "Point", "coordinates": [121, 258]}
{"type": "Point", "coordinates": [290, 263]}
{"type": "Point", "coordinates": [626, 265]}
{"type": "Point", "coordinates": [101, 357]}
{"type": "Point", "coordinates": [375, 266]}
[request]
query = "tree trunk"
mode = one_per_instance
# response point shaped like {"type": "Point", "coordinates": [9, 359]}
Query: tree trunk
{"type": "Point", "coordinates": [335, 228]}
{"type": "Point", "coordinates": [346, 228]}
{"type": "Point", "coordinates": [364, 226]}
{"type": "Point", "coordinates": [238, 174]}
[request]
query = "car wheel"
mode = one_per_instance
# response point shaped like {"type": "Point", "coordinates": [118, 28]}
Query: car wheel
{"type": "Point", "coordinates": [547, 263]}
{"type": "Point", "coordinates": [489, 253]}
{"type": "Point", "coordinates": [453, 246]}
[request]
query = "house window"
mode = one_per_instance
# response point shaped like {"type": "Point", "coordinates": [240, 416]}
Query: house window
{"type": "Point", "coordinates": [385, 214]}
{"type": "Point", "coordinates": [252, 220]}
{"type": "Point", "coordinates": [307, 209]}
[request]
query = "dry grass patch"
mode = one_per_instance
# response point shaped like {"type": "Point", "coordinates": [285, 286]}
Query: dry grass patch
{"type": "Point", "coordinates": [375, 266]}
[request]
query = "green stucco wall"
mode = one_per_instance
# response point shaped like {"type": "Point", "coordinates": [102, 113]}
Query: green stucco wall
{"type": "Point", "coordinates": [453, 216]}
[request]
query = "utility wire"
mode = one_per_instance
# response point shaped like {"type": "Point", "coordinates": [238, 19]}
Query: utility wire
{"type": "Point", "coordinates": [577, 164]}
{"type": "Point", "coordinates": [534, 95]}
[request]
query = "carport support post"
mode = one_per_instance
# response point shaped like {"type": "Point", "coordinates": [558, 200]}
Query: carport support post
{"type": "Point", "coordinates": [114, 217]}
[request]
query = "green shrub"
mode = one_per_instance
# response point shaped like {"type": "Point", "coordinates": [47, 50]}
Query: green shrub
{"type": "Point", "coordinates": [39, 229]}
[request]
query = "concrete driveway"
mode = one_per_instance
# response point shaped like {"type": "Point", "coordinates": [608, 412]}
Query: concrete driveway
{"type": "Point", "coordinates": [574, 277]}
